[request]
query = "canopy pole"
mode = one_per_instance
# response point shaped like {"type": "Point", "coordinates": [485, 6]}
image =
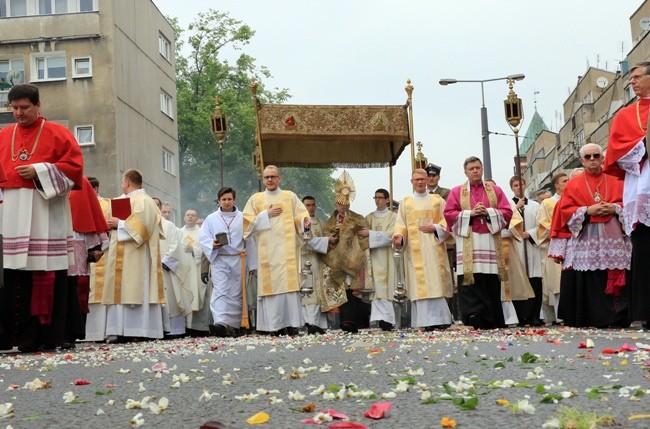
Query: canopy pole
{"type": "Point", "coordinates": [409, 92]}
{"type": "Point", "coordinates": [258, 156]}
{"type": "Point", "coordinates": [390, 186]}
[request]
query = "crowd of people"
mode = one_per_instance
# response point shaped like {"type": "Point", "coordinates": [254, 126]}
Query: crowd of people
{"type": "Point", "coordinates": [77, 266]}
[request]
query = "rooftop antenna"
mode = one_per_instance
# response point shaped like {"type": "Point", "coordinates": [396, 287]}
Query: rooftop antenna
{"type": "Point", "coordinates": [535, 99]}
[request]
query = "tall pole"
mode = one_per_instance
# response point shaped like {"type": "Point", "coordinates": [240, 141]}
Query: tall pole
{"type": "Point", "coordinates": [487, 163]}
{"type": "Point", "coordinates": [514, 115]}
{"type": "Point", "coordinates": [485, 137]}
{"type": "Point", "coordinates": [221, 161]}
{"type": "Point", "coordinates": [485, 130]}
{"type": "Point", "coordinates": [409, 92]}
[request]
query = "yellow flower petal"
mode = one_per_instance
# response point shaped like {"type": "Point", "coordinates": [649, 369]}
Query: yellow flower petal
{"type": "Point", "coordinates": [447, 422]}
{"type": "Point", "coordinates": [639, 417]}
{"type": "Point", "coordinates": [502, 402]}
{"type": "Point", "coordinates": [258, 418]}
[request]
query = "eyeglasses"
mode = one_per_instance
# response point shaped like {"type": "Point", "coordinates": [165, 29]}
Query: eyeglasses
{"type": "Point", "coordinates": [591, 156]}
{"type": "Point", "coordinates": [637, 77]}
{"type": "Point", "coordinates": [270, 177]}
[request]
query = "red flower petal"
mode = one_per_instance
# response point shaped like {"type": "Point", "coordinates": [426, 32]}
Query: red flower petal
{"type": "Point", "coordinates": [378, 410]}
{"type": "Point", "coordinates": [582, 345]}
{"type": "Point", "coordinates": [609, 352]}
{"type": "Point", "coordinates": [81, 382]}
{"type": "Point", "coordinates": [310, 421]}
{"type": "Point", "coordinates": [344, 425]}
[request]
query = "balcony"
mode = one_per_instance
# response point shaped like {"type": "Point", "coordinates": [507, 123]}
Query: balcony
{"type": "Point", "coordinates": [27, 29]}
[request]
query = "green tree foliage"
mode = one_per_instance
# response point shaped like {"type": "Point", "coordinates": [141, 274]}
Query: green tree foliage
{"type": "Point", "coordinates": [203, 72]}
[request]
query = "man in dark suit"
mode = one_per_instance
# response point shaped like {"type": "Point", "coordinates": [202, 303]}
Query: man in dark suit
{"type": "Point", "coordinates": [433, 174]}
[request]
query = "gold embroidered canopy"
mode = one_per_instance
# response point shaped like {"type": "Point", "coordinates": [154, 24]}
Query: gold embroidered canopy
{"type": "Point", "coordinates": [331, 136]}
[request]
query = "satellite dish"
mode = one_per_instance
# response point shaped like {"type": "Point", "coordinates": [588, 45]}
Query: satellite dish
{"type": "Point", "coordinates": [13, 76]}
{"type": "Point", "coordinates": [602, 82]}
{"type": "Point", "coordinates": [644, 23]}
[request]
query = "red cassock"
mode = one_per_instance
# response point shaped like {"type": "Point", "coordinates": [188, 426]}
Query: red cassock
{"type": "Point", "coordinates": [56, 145]}
{"type": "Point", "coordinates": [579, 193]}
{"type": "Point", "coordinates": [628, 128]}
{"type": "Point", "coordinates": [87, 215]}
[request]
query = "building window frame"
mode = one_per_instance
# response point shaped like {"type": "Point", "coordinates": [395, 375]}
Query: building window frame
{"type": "Point", "coordinates": [168, 161]}
{"type": "Point", "coordinates": [166, 103]}
{"type": "Point", "coordinates": [165, 47]}
{"type": "Point", "coordinates": [83, 142]}
{"type": "Point", "coordinates": [39, 62]}
{"type": "Point", "coordinates": [76, 74]}
{"type": "Point", "coordinates": [15, 64]}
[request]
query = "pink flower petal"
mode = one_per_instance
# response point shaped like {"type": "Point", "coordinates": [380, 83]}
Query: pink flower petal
{"type": "Point", "coordinates": [159, 367]}
{"type": "Point", "coordinates": [335, 414]}
{"type": "Point", "coordinates": [81, 382]}
{"type": "Point", "coordinates": [628, 348]}
{"type": "Point", "coordinates": [310, 421]}
{"type": "Point", "coordinates": [378, 410]}
{"type": "Point", "coordinates": [344, 425]}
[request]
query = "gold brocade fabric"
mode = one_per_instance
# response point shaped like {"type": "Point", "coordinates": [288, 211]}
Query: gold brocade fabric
{"type": "Point", "coordinates": [349, 257]}
{"type": "Point", "coordinates": [341, 136]}
{"type": "Point", "coordinates": [468, 245]}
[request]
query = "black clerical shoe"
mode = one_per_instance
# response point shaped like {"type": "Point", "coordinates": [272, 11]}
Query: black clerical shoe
{"type": "Point", "coordinates": [349, 327]}
{"type": "Point", "coordinates": [436, 328]}
{"type": "Point", "coordinates": [474, 321]}
{"type": "Point", "coordinates": [291, 331]}
{"type": "Point", "coordinates": [313, 329]}
{"type": "Point", "coordinates": [385, 326]}
{"type": "Point", "coordinates": [220, 330]}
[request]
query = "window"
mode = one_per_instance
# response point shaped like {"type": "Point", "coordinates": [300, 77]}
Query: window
{"type": "Point", "coordinates": [12, 72]}
{"type": "Point", "coordinates": [168, 161]}
{"type": "Point", "coordinates": [45, 7]}
{"type": "Point", "coordinates": [13, 7]}
{"type": "Point", "coordinates": [166, 105]}
{"type": "Point", "coordinates": [85, 135]}
{"type": "Point", "coordinates": [50, 66]}
{"type": "Point", "coordinates": [164, 47]}
{"type": "Point", "coordinates": [82, 67]}
{"type": "Point", "coordinates": [86, 6]}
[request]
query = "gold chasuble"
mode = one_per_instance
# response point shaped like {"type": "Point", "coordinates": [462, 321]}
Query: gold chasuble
{"type": "Point", "coordinates": [425, 259]}
{"type": "Point", "coordinates": [278, 242]}
{"type": "Point", "coordinates": [348, 259]}
{"type": "Point", "coordinates": [127, 261]}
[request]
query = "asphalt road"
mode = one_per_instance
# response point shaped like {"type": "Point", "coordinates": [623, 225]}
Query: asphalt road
{"type": "Point", "coordinates": [425, 376]}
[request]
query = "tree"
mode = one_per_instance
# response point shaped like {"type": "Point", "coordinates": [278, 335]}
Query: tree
{"type": "Point", "coordinates": [205, 73]}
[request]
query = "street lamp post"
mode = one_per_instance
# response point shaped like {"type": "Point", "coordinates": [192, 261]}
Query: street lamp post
{"type": "Point", "coordinates": [485, 132]}
{"type": "Point", "coordinates": [219, 131]}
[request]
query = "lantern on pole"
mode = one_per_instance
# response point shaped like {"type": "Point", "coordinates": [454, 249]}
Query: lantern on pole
{"type": "Point", "coordinates": [219, 130]}
{"type": "Point", "coordinates": [514, 111]}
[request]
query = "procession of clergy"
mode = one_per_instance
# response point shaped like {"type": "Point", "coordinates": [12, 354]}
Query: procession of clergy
{"type": "Point", "coordinates": [81, 267]}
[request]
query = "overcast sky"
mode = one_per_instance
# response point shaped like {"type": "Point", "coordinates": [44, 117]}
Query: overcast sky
{"type": "Point", "coordinates": [363, 51]}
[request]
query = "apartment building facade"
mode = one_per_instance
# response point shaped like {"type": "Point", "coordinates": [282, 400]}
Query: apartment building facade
{"type": "Point", "coordinates": [588, 111]}
{"type": "Point", "coordinates": [106, 70]}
